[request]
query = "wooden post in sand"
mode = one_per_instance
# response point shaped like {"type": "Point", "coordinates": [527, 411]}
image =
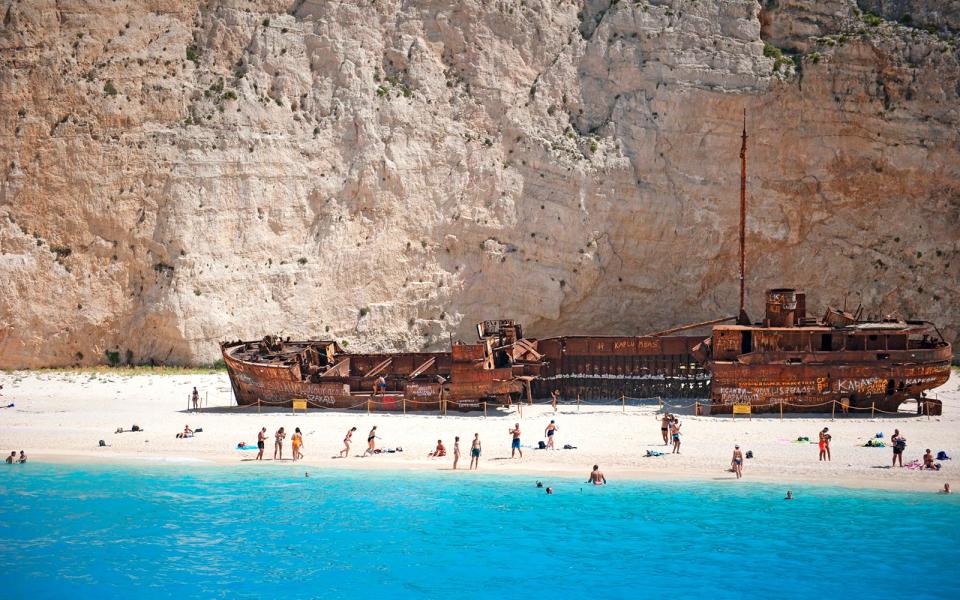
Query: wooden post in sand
{"type": "Point", "coordinates": [833, 410]}
{"type": "Point", "coordinates": [369, 398]}
{"type": "Point", "coordinates": [578, 402]}
{"type": "Point", "coordinates": [258, 405]}
{"type": "Point", "coordinates": [484, 408]}
{"type": "Point", "coordinates": [623, 404]}
{"type": "Point", "coordinates": [781, 409]}
{"type": "Point", "coordinates": [206, 399]}
{"type": "Point", "coordinates": [404, 404]}
{"type": "Point", "coordinates": [873, 410]}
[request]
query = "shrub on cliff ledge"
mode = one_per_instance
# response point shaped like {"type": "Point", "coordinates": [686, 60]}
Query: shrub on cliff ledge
{"type": "Point", "coordinates": [193, 54]}
{"type": "Point", "coordinates": [109, 89]}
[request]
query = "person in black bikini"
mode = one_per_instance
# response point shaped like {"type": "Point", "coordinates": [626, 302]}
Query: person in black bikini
{"type": "Point", "coordinates": [371, 444]}
{"type": "Point", "coordinates": [737, 461]}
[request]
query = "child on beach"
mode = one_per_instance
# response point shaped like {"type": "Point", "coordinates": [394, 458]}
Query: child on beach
{"type": "Point", "coordinates": [515, 444]}
{"type": "Point", "coordinates": [456, 451]}
{"type": "Point", "coordinates": [346, 443]}
{"type": "Point", "coordinates": [475, 452]}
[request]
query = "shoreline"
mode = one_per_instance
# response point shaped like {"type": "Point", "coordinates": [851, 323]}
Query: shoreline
{"type": "Point", "coordinates": [928, 483]}
{"type": "Point", "coordinates": [60, 417]}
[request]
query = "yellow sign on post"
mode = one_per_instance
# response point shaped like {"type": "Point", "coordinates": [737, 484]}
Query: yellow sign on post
{"type": "Point", "coordinates": [299, 405]}
{"type": "Point", "coordinates": [741, 409]}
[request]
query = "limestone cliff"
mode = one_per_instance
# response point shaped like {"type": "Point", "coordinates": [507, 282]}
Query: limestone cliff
{"type": "Point", "coordinates": [174, 173]}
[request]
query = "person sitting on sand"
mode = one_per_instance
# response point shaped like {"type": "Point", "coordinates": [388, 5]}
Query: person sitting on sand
{"type": "Point", "coordinates": [278, 438]}
{"type": "Point", "coordinates": [261, 442]}
{"type": "Point", "coordinates": [549, 432]}
{"type": "Point", "coordinates": [928, 461]}
{"type": "Point", "coordinates": [596, 476]}
{"type": "Point", "coordinates": [736, 463]}
{"type": "Point", "coordinates": [456, 451]}
{"type": "Point", "coordinates": [297, 442]}
{"type": "Point", "coordinates": [346, 443]}
{"type": "Point", "coordinates": [475, 452]}
{"type": "Point", "coordinates": [440, 450]}
{"type": "Point", "coordinates": [825, 444]}
{"type": "Point", "coordinates": [12, 458]}
{"type": "Point", "coordinates": [23, 457]}
{"type": "Point", "coordinates": [515, 444]}
{"type": "Point", "coordinates": [371, 444]}
{"type": "Point", "coordinates": [665, 427]}
{"type": "Point", "coordinates": [187, 432]}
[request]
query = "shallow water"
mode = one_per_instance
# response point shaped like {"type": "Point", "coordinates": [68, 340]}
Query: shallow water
{"type": "Point", "coordinates": [258, 532]}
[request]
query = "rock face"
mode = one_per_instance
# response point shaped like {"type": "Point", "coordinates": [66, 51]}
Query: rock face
{"type": "Point", "coordinates": [177, 173]}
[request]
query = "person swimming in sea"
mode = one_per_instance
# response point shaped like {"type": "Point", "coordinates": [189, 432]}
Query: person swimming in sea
{"type": "Point", "coordinates": [550, 490]}
{"type": "Point", "coordinates": [737, 461]}
{"type": "Point", "coordinates": [549, 432]}
{"type": "Point", "coordinates": [946, 489]}
{"type": "Point", "coordinates": [12, 458]}
{"type": "Point", "coordinates": [475, 452]}
{"type": "Point", "coordinates": [23, 457]}
{"type": "Point", "coordinates": [346, 443]}
{"type": "Point", "coordinates": [596, 476]}
{"type": "Point", "coordinates": [789, 495]}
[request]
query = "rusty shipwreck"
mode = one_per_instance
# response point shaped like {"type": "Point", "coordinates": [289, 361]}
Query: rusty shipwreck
{"type": "Point", "coordinates": [839, 362]}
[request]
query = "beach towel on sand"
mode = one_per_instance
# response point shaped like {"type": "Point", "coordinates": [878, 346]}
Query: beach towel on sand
{"type": "Point", "coordinates": [654, 453]}
{"type": "Point", "coordinates": [247, 447]}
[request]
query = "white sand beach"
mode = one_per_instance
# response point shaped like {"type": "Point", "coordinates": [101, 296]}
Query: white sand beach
{"type": "Point", "coordinates": [61, 416]}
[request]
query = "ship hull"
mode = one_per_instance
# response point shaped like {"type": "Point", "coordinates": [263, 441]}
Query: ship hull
{"type": "Point", "coordinates": [827, 387]}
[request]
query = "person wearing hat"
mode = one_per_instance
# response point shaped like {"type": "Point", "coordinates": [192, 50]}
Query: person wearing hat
{"type": "Point", "coordinates": [549, 432]}
{"type": "Point", "coordinates": [737, 462]}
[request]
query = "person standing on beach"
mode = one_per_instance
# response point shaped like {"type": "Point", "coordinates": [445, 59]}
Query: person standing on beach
{"type": "Point", "coordinates": [371, 444]}
{"type": "Point", "coordinates": [278, 444]}
{"type": "Point", "coordinates": [261, 442]}
{"type": "Point", "coordinates": [456, 451]}
{"type": "Point", "coordinates": [515, 444]}
{"type": "Point", "coordinates": [596, 476]}
{"type": "Point", "coordinates": [346, 443]}
{"type": "Point", "coordinates": [297, 442]}
{"type": "Point", "coordinates": [665, 427]}
{"type": "Point", "coordinates": [554, 398]}
{"type": "Point", "coordinates": [825, 444]}
{"type": "Point", "coordinates": [475, 452]}
{"type": "Point", "coordinates": [675, 434]}
{"type": "Point", "coordinates": [737, 461]}
{"type": "Point", "coordinates": [899, 444]}
{"type": "Point", "coordinates": [549, 432]}
{"type": "Point", "coordinates": [196, 398]}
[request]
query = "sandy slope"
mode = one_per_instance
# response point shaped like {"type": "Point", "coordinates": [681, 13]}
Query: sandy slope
{"type": "Point", "coordinates": [61, 416]}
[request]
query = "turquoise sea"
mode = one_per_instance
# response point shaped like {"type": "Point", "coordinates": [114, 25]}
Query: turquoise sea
{"type": "Point", "coordinates": [164, 531]}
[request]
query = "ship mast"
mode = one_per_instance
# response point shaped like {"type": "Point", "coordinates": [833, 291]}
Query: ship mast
{"type": "Point", "coordinates": [743, 215]}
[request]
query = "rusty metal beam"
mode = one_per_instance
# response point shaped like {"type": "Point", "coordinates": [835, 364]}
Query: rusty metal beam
{"type": "Point", "coordinates": [341, 369]}
{"type": "Point", "coordinates": [379, 368]}
{"type": "Point", "coordinates": [426, 365]}
{"type": "Point", "coordinates": [688, 327]}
